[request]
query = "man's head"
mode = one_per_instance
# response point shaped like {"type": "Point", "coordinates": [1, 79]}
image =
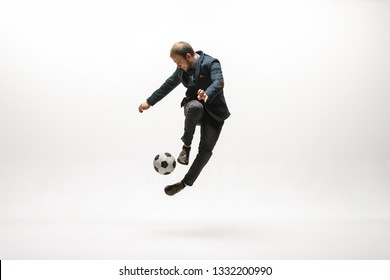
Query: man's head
{"type": "Point", "coordinates": [183, 55]}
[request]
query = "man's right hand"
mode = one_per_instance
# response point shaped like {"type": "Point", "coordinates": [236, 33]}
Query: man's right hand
{"type": "Point", "coordinates": [144, 106]}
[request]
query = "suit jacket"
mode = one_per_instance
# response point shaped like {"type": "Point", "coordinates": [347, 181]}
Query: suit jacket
{"type": "Point", "coordinates": [207, 76]}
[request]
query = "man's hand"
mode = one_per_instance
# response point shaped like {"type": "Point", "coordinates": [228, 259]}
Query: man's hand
{"type": "Point", "coordinates": [202, 95]}
{"type": "Point", "coordinates": [144, 106]}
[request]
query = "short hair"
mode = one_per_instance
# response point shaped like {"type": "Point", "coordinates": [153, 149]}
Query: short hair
{"type": "Point", "coordinates": [182, 48]}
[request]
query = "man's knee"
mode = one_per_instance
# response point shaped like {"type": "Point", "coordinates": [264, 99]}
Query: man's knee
{"type": "Point", "coordinates": [194, 107]}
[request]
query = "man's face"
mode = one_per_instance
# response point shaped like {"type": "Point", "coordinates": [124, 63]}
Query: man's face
{"type": "Point", "coordinates": [187, 63]}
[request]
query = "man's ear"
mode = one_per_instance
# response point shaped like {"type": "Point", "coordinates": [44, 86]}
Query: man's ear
{"type": "Point", "coordinates": [188, 56]}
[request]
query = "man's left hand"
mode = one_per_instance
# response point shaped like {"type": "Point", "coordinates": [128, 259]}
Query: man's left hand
{"type": "Point", "coordinates": [202, 95]}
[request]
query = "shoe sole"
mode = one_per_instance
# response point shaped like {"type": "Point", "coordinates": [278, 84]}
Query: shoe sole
{"type": "Point", "coordinates": [182, 162]}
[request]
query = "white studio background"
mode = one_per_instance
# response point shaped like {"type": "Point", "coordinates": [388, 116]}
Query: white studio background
{"type": "Point", "coordinates": [307, 83]}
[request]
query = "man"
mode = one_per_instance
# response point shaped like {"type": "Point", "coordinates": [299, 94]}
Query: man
{"type": "Point", "coordinates": [204, 105]}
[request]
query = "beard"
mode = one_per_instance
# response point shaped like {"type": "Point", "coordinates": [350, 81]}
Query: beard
{"type": "Point", "coordinates": [190, 67]}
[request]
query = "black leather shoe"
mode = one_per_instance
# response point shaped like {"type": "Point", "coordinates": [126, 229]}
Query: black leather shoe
{"type": "Point", "coordinates": [184, 156]}
{"type": "Point", "coordinates": [174, 189]}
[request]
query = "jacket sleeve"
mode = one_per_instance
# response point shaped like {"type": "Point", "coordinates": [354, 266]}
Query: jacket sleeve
{"type": "Point", "coordinates": [217, 83]}
{"type": "Point", "coordinates": [170, 84]}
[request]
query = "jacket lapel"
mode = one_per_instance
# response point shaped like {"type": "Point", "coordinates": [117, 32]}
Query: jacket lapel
{"type": "Point", "coordinates": [197, 66]}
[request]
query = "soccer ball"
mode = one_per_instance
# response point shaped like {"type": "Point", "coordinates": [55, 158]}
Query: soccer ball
{"type": "Point", "coordinates": [164, 163]}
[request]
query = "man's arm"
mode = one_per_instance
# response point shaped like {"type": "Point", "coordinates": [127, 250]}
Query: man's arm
{"type": "Point", "coordinates": [217, 82]}
{"type": "Point", "coordinates": [170, 84]}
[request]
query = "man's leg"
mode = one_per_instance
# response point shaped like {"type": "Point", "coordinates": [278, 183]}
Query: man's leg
{"type": "Point", "coordinates": [210, 132]}
{"type": "Point", "coordinates": [193, 112]}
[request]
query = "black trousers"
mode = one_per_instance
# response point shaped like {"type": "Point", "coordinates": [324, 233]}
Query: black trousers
{"type": "Point", "coordinates": [209, 134]}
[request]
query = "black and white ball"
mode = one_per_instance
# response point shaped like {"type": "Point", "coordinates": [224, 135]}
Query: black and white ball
{"type": "Point", "coordinates": [164, 163]}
